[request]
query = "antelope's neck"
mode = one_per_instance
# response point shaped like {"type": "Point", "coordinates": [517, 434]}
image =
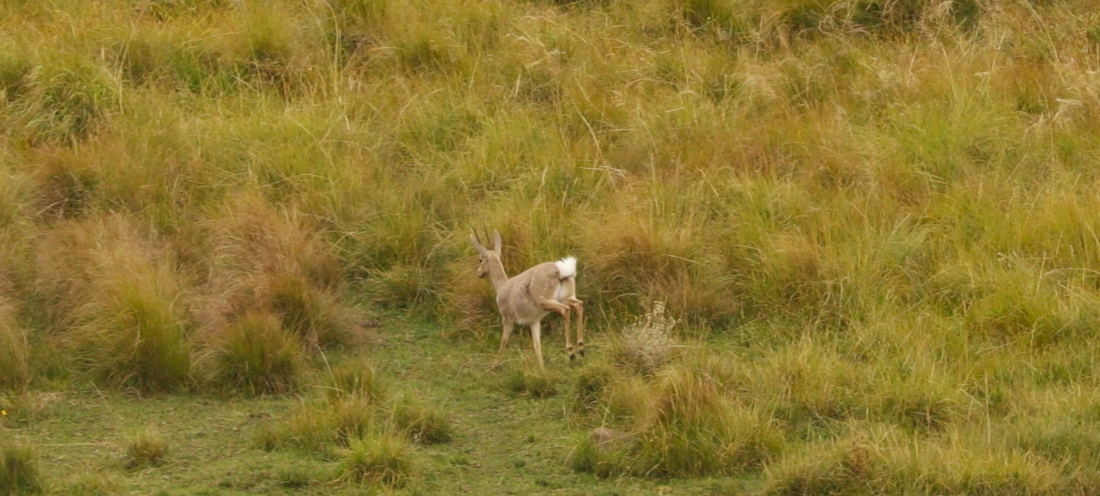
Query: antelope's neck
{"type": "Point", "coordinates": [496, 275]}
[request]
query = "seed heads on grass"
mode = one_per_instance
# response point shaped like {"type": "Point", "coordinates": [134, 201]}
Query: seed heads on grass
{"type": "Point", "coordinates": [646, 344]}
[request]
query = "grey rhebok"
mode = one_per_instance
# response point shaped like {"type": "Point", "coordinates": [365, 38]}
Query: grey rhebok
{"type": "Point", "coordinates": [526, 298]}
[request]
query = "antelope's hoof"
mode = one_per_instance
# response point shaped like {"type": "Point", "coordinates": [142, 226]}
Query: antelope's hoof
{"type": "Point", "coordinates": [572, 357]}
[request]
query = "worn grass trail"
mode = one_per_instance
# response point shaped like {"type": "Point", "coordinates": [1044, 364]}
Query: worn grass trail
{"type": "Point", "coordinates": [504, 442]}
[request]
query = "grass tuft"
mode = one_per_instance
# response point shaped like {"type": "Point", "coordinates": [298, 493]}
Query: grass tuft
{"type": "Point", "coordinates": [19, 471]}
{"type": "Point", "coordinates": [258, 356]}
{"type": "Point", "coordinates": [421, 422]}
{"type": "Point", "coordinates": [383, 460]}
{"type": "Point", "coordinates": [354, 379]}
{"type": "Point", "coordinates": [15, 368]}
{"type": "Point", "coordinates": [146, 448]}
{"type": "Point", "coordinates": [527, 380]}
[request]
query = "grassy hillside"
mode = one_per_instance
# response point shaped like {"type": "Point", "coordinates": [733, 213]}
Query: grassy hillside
{"type": "Point", "coordinates": [825, 246]}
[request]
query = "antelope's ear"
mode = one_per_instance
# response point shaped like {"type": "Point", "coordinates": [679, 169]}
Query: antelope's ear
{"type": "Point", "coordinates": [496, 241]}
{"type": "Point", "coordinates": [480, 249]}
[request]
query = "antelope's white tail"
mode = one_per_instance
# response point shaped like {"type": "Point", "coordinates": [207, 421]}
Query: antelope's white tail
{"type": "Point", "coordinates": [567, 267]}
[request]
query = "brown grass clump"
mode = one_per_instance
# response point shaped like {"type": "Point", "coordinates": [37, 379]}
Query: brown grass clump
{"type": "Point", "coordinates": [470, 300]}
{"type": "Point", "coordinates": [15, 368]}
{"type": "Point", "coordinates": [115, 298]}
{"type": "Point", "coordinates": [270, 261]}
{"type": "Point", "coordinates": [258, 356]}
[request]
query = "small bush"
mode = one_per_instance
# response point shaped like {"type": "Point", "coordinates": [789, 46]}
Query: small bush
{"type": "Point", "coordinates": [18, 471]}
{"type": "Point", "coordinates": [315, 315]}
{"type": "Point", "coordinates": [384, 460]}
{"type": "Point", "coordinates": [259, 357]}
{"type": "Point", "coordinates": [271, 261]}
{"type": "Point", "coordinates": [607, 394]}
{"type": "Point", "coordinates": [400, 286]}
{"type": "Point", "coordinates": [646, 344]}
{"type": "Point", "coordinates": [114, 303]}
{"type": "Point", "coordinates": [145, 449]}
{"type": "Point", "coordinates": [470, 301]}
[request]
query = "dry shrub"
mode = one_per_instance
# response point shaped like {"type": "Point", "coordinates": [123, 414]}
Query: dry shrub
{"type": "Point", "coordinates": [845, 466]}
{"type": "Point", "coordinates": [271, 261]}
{"type": "Point", "coordinates": [643, 258]}
{"type": "Point", "coordinates": [646, 344]}
{"type": "Point", "coordinates": [922, 399]}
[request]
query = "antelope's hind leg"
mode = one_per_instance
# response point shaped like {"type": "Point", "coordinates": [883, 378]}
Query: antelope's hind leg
{"type": "Point", "coordinates": [536, 338]}
{"type": "Point", "coordinates": [578, 307]}
{"type": "Point", "coordinates": [503, 342]}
